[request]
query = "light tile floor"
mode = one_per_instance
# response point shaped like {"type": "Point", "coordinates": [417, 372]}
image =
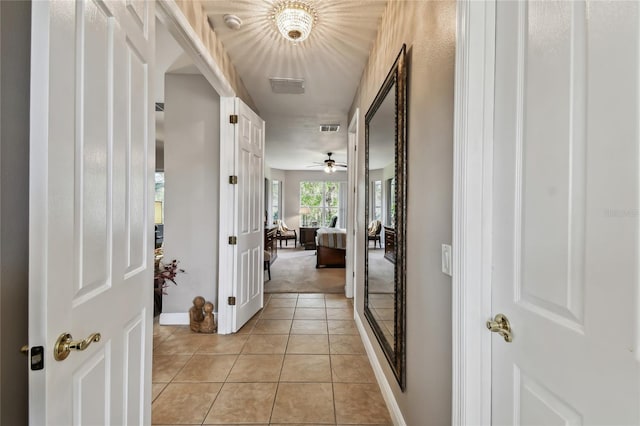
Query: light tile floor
{"type": "Point", "coordinates": [298, 361]}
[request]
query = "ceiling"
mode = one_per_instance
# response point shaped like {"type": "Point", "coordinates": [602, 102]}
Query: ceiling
{"type": "Point", "coordinates": [330, 61]}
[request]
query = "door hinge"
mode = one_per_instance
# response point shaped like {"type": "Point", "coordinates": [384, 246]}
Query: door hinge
{"type": "Point", "coordinates": [233, 119]}
{"type": "Point", "coordinates": [233, 180]}
{"type": "Point", "coordinates": [232, 301]}
{"type": "Point", "coordinates": [233, 240]}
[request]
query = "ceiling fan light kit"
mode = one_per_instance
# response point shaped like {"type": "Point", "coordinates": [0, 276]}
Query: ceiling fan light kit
{"type": "Point", "coordinates": [330, 165]}
{"type": "Point", "coordinates": [294, 19]}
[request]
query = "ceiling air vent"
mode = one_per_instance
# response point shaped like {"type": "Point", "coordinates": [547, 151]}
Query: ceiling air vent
{"type": "Point", "coordinates": [159, 106]}
{"type": "Point", "coordinates": [329, 127]}
{"type": "Point", "coordinates": [291, 86]}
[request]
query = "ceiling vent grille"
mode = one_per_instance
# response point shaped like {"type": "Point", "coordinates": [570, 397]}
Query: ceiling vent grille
{"type": "Point", "coordinates": [329, 127]}
{"type": "Point", "coordinates": [159, 106]}
{"type": "Point", "coordinates": [290, 86]}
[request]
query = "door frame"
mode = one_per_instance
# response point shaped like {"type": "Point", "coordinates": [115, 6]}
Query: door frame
{"type": "Point", "coordinates": [472, 211]}
{"type": "Point", "coordinates": [352, 210]}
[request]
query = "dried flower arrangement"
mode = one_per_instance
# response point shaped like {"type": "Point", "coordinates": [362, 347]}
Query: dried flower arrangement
{"type": "Point", "coordinates": [165, 272]}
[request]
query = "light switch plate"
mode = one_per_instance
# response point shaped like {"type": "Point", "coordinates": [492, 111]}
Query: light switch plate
{"type": "Point", "coordinates": [446, 260]}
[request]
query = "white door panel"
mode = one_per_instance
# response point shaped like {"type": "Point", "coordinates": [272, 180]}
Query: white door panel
{"type": "Point", "coordinates": [566, 225]}
{"type": "Point", "coordinates": [91, 175]}
{"type": "Point", "coordinates": [242, 215]}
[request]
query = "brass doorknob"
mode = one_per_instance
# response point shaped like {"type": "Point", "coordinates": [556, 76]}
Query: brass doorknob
{"type": "Point", "coordinates": [501, 325]}
{"type": "Point", "coordinates": [65, 344]}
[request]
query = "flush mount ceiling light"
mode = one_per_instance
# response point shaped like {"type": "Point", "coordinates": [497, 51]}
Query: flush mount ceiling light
{"type": "Point", "coordinates": [294, 19]}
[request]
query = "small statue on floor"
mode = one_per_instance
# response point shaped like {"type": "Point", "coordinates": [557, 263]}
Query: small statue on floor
{"type": "Point", "coordinates": [208, 324]}
{"type": "Point", "coordinates": [196, 315]}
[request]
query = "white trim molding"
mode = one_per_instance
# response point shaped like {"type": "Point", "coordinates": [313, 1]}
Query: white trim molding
{"type": "Point", "coordinates": [178, 25]}
{"type": "Point", "coordinates": [177, 318]}
{"type": "Point", "coordinates": [472, 216]}
{"type": "Point", "coordinates": [385, 388]}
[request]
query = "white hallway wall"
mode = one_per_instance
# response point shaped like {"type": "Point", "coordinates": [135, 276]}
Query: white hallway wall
{"type": "Point", "coordinates": [428, 29]}
{"type": "Point", "coordinates": [191, 164]}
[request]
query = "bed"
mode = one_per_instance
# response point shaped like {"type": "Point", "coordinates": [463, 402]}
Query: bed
{"type": "Point", "coordinates": [331, 246]}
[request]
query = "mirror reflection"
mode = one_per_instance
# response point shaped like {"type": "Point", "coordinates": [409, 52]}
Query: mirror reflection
{"type": "Point", "coordinates": [385, 211]}
{"type": "Point", "coordinates": [381, 231]}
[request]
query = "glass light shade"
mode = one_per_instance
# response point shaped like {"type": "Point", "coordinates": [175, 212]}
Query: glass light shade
{"type": "Point", "coordinates": [294, 20]}
{"type": "Point", "coordinates": [328, 169]}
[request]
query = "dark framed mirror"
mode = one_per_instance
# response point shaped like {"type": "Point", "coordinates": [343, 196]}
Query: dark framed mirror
{"type": "Point", "coordinates": [385, 214]}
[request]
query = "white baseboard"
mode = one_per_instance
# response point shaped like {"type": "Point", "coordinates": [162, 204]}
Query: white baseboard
{"type": "Point", "coordinates": [385, 388]}
{"type": "Point", "coordinates": [178, 318]}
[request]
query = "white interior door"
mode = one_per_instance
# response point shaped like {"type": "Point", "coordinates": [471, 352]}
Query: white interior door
{"type": "Point", "coordinates": [566, 213]}
{"type": "Point", "coordinates": [91, 192]}
{"type": "Point", "coordinates": [242, 278]}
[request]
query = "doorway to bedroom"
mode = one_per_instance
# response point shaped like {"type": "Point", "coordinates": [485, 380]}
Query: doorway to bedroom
{"type": "Point", "coordinates": [305, 231]}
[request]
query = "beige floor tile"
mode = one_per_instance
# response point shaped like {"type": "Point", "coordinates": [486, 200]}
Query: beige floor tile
{"type": "Point", "coordinates": [243, 403]}
{"type": "Point", "coordinates": [274, 312]}
{"type": "Point", "coordinates": [184, 344]}
{"type": "Point", "coordinates": [223, 344]}
{"type": "Point", "coordinates": [360, 404]}
{"type": "Point", "coordinates": [346, 344]}
{"type": "Point", "coordinates": [268, 326]}
{"type": "Point", "coordinates": [165, 367]}
{"type": "Point", "coordinates": [282, 303]}
{"type": "Point", "coordinates": [182, 330]}
{"type": "Point", "coordinates": [309, 327]}
{"type": "Point", "coordinates": [206, 368]}
{"type": "Point", "coordinates": [342, 327]}
{"type": "Point", "coordinates": [335, 296]}
{"type": "Point", "coordinates": [266, 344]}
{"type": "Point", "coordinates": [340, 313]}
{"type": "Point", "coordinates": [248, 327]}
{"type": "Point", "coordinates": [156, 389]}
{"type": "Point", "coordinates": [351, 369]}
{"type": "Point", "coordinates": [163, 331]}
{"type": "Point", "coordinates": [308, 344]}
{"type": "Point", "coordinates": [311, 296]}
{"type": "Point", "coordinates": [338, 303]}
{"type": "Point", "coordinates": [283, 295]}
{"type": "Point", "coordinates": [310, 313]}
{"type": "Point", "coordinates": [310, 303]}
{"type": "Point", "coordinates": [157, 341]}
{"type": "Point", "coordinates": [304, 403]}
{"type": "Point", "coordinates": [306, 368]}
{"type": "Point", "coordinates": [256, 368]}
{"type": "Point", "coordinates": [184, 403]}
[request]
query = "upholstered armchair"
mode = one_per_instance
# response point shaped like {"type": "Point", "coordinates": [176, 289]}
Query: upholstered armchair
{"type": "Point", "coordinates": [286, 234]}
{"type": "Point", "coordinates": [373, 232]}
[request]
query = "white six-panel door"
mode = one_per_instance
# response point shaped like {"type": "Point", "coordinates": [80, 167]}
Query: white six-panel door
{"type": "Point", "coordinates": [242, 215]}
{"type": "Point", "coordinates": [91, 188]}
{"type": "Point", "coordinates": [566, 232]}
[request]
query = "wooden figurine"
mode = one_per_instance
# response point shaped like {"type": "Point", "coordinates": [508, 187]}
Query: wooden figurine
{"type": "Point", "coordinates": [208, 324]}
{"type": "Point", "coordinates": [196, 315]}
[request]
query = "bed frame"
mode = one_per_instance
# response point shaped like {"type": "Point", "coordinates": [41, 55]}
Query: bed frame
{"type": "Point", "coordinates": [330, 257]}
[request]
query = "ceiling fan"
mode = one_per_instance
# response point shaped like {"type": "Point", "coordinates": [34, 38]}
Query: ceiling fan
{"type": "Point", "coordinates": [330, 165]}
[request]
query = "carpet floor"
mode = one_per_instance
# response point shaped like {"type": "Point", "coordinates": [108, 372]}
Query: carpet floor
{"type": "Point", "coordinates": [294, 271]}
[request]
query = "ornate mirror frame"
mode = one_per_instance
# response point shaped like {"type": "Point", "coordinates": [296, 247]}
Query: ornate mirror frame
{"type": "Point", "coordinates": [395, 350]}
